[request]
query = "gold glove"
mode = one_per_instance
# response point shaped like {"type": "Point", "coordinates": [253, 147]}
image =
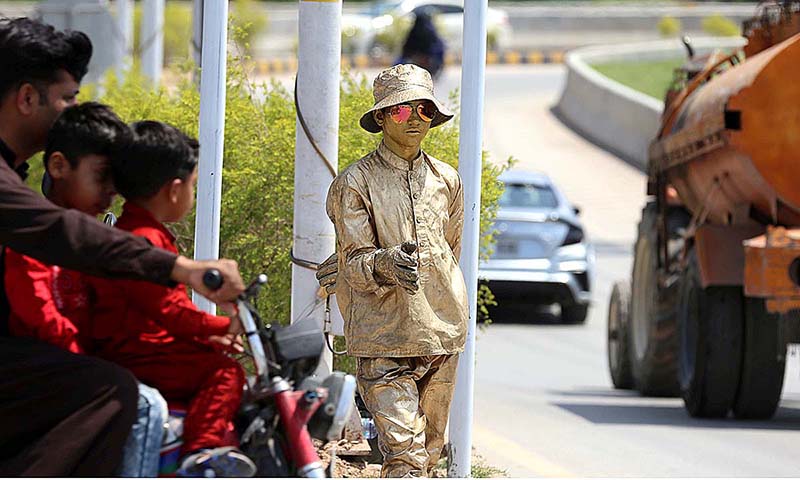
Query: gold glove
{"type": "Point", "coordinates": [396, 266]}
{"type": "Point", "coordinates": [327, 273]}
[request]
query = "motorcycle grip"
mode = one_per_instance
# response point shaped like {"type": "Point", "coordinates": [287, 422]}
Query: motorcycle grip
{"type": "Point", "coordinates": [212, 279]}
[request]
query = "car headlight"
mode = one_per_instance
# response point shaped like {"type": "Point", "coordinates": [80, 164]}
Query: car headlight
{"type": "Point", "coordinates": [329, 420]}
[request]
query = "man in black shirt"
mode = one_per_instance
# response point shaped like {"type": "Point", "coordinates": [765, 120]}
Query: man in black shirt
{"type": "Point", "coordinates": [63, 414]}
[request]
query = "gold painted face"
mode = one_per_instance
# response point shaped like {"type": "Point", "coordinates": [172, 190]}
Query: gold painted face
{"type": "Point", "coordinates": [407, 124]}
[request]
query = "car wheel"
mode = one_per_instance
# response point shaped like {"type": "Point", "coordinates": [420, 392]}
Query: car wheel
{"type": "Point", "coordinates": [574, 313]}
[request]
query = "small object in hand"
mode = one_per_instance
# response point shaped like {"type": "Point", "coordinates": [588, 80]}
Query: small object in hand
{"type": "Point", "coordinates": [398, 267]}
{"type": "Point", "coordinates": [409, 247]}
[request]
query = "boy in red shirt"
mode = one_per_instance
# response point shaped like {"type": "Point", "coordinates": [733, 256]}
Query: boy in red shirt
{"type": "Point", "coordinates": [156, 331]}
{"type": "Point", "coordinates": [48, 302]}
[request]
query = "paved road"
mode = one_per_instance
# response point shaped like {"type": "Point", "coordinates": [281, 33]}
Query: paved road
{"type": "Point", "coordinates": [544, 405]}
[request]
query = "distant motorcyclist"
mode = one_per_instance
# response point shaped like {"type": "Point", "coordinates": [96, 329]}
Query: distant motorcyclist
{"type": "Point", "coordinates": [423, 46]}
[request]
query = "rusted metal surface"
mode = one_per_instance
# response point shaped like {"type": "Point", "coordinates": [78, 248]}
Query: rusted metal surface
{"type": "Point", "coordinates": [774, 22]}
{"type": "Point", "coordinates": [740, 126]}
{"type": "Point", "coordinates": [720, 253]}
{"type": "Point", "coordinates": [715, 64]}
{"type": "Point", "coordinates": [772, 268]}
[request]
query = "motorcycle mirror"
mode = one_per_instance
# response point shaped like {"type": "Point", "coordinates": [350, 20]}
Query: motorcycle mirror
{"type": "Point", "coordinates": [255, 286]}
{"type": "Point", "coordinates": [110, 219]}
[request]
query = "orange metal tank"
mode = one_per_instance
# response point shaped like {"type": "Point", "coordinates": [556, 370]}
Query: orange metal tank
{"type": "Point", "coordinates": [731, 147]}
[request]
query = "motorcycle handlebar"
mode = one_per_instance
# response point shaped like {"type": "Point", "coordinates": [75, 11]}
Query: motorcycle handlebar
{"type": "Point", "coordinates": [212, 279]}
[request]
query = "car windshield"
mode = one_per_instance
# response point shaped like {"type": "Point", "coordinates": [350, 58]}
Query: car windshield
{"type": "Point", "coordinates": [525, 195]}
{"type": "Point", "coordinates": [377, 9]}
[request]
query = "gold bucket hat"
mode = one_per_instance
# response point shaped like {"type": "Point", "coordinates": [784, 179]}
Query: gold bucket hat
{"type": "Point", "coordinates": [401, 84]}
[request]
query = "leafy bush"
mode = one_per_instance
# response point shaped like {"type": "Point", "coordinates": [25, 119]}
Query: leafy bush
{"type": "Point", "coordinates": [669, 26]}
{"type": "Point", "coordinates": [720, 26]}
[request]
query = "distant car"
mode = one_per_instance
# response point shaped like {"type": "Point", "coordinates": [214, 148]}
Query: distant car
{"type": "Point", "coordinates": [542, 255]}
{"type": "Point", "coordinates": [360, 31]}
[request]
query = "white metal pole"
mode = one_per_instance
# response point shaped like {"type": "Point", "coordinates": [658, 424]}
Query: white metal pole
{"type": "Point", "coordinates": [151, 39]}
{"type": "Point", "coordinates": [469, 166]}
{"type": "Point", "coordinates": [319, 56]}
{"type": "Point", "coordinates": [197, 32]}
{"type": "Point", "coordinates": [125, 30]}
{"type": "Point", "coordinates": [212, 135]}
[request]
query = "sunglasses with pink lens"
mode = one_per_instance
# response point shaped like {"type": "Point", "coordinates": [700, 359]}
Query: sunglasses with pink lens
{"type": "Point", "coordinates": [401, 113]}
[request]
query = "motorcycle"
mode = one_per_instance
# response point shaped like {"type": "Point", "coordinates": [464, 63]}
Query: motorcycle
{"type": "Point", "coordinates": [283, 406]}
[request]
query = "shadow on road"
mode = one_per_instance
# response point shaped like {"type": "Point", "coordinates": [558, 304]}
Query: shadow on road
{"type": "Point", "coordinates": [786, 418]}
{"type": "Point", "coordinates": [595, 392]}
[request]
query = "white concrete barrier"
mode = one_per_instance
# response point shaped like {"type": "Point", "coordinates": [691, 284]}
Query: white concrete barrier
{"type": "Point", "coordinates": [617, 117]}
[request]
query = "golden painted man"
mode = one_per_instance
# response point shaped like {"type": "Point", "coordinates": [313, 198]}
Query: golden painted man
{"type": "Point", "coordinates": [405, 310]}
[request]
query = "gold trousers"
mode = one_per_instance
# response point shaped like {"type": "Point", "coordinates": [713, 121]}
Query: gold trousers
{"type": "Point", "coordinates": [409, 399]}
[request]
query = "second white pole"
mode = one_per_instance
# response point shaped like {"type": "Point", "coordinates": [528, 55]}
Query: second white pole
{"type": "Point", "coordinates": [469, 166]}
{"type": "Point", "coordinates": [125, 31]}
{"type": "Point", "coordinates": [212, 135]}
{"type": "Point", "coordinates": [197, 33]}
{"type": "Point", "coordinates": [319, 58]}
{"type": "Point", "coordinates": [151, 39]}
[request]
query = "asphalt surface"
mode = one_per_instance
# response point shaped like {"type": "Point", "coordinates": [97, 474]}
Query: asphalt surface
{"type": "Point", "coordinates": [544, 404]}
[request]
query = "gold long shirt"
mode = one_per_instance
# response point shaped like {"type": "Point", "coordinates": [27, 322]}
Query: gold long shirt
{"type": "Point", "coordinates": [382, 201]}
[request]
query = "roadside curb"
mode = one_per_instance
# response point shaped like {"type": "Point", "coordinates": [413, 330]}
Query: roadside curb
{"type": "Point", "coordinates": [510, 57]}
{"type": "Point", "coordinates": [610, 114]}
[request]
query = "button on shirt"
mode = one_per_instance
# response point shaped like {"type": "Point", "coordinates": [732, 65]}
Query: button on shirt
{"type": "Point", "coordinates": [380, 202]}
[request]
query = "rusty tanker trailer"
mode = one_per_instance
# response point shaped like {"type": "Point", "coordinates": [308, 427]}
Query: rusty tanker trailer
{"type": "Point", "coordinates": [715, 290]}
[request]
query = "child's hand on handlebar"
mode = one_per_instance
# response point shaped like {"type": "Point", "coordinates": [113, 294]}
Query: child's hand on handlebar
{"type": "Point", "coordinates": [235, 327]}
{"type": "Point", "coordinates": [190, 272]}
{"type": "Point", "coordinates": [229, 342]}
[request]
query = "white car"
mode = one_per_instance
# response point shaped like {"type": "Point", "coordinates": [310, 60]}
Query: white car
{"type": "Point", "coordinates": [376, 29]}
{"type": "Point", "coordinates": [542, 255]}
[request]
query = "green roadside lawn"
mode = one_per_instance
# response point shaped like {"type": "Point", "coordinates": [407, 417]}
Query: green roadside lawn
{"type": "Point", "coordinates": [651, 77]}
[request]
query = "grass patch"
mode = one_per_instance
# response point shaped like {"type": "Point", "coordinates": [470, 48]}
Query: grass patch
{"type": "Point", "coordinates": [481, 470]}
{"type": "Point", "coordinates": [651, 78]}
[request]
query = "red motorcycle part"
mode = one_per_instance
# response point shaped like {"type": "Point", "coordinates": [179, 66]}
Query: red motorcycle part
{"type": "Point", "coordinates": [295, 409]}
